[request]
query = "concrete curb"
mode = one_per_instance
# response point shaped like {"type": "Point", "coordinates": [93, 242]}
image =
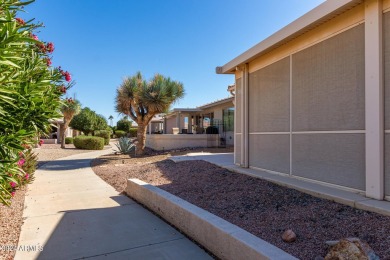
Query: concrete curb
{"type": "Point", "coordinates": [223, 239]}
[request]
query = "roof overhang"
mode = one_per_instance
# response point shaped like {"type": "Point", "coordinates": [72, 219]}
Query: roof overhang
{"type": "Point", "coordinates": [182, 110]}
{"type": "Point", "coordinates": [186, 110]}
{"type": "Point", "coordinates": [157, 120]}
{"type": "Point", "coordinates": [217, 103]}
{"type": "Point", "coordinates": [314, 18]}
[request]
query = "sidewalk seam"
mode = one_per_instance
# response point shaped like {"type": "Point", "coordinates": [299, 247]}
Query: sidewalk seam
{"type": "Point", "coordinates": [127, 249]}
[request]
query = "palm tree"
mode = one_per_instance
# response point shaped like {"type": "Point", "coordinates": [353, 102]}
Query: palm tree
{"type": "Point", "coordinates": [70, 108]}
{"type": "Point", "coordinates": [141, 100]}
{"type": "Point", "coordinates": [110, 118]}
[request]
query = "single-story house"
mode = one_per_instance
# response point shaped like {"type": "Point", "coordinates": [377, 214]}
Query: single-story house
{"type": "Point", "coordinates": [313, 100]}
{"type": "Point", "coordinates": [156, 125]}
{"type": "Point", "coordinates": [54, 136]}
{"type": "Point", "coordinates": [210, 125]}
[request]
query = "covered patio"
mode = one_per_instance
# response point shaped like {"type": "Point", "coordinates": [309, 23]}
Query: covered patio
{"type": "Point", "coordinates": [210, 125]}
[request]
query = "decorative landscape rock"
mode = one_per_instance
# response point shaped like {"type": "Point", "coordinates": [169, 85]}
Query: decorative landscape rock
{"type": "Point", "coordinates": [289, 236]}
{"type": "Point", "coordinates": [351, 249]}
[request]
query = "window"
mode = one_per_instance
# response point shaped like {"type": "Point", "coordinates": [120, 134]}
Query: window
{"type": "Point", "coordinates": [228, 119]}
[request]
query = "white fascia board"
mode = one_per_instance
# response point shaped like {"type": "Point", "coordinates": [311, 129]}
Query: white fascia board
{"type": "Point", "coordinates": [322, 13]}
{"type": "Point", "coordinates": [186, 110]}
{"type": "Point", "coordinates": [217, 103]}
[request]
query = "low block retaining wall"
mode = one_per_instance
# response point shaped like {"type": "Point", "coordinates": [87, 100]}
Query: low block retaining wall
{"type": "Point", "coordinates": [223, 239]}
{"type": "Point", "coordinates": [49, 141]}
{"type": "Point", "coordinates": [171, 141]}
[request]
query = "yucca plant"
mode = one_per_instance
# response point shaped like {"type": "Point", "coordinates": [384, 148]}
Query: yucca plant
{"type": "Point", "coordinates": [125, 145]}
{"type": "Point", "coordinates": [141, 100]}
{"type": "Point", "coordinates": [69, 109]}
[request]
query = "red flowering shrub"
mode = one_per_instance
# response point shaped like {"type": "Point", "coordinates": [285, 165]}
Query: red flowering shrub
{"type": "Point", "coordinates": [31, 93]}
{"type": "Point", "coordinates": [50, 47]}
{"type": "Point", "coordinates": [20, 21]}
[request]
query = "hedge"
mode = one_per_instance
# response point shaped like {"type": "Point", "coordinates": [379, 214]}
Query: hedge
{"type": "Point", "coordinates": [89, 142]}
{"type": "Point", "coordinates": [120, 133]}
{"type": "Point", "coordinates": [133, 132]}
{"type": "Point", "coordinates": [105, 134]}
{"type": "Point", "coordinates": [68, 140]}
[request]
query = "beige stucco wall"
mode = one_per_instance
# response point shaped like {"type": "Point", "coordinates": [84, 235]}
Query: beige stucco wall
{"type": "Point", "coordinates": [170, 141]}
{"type": "Point", "coordinates": [337, 25]}
{"type": "Point", "coordinates": [334, 158]}
{"type": "Point", "coordinates": [171, 122]}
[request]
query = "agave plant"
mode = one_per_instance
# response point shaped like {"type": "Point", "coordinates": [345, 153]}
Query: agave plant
{"type": "Point", "coordinates": [125, 145]}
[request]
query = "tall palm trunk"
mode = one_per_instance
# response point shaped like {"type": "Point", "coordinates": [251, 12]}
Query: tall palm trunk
{"type": "Point", "coordinates": [141, 138]}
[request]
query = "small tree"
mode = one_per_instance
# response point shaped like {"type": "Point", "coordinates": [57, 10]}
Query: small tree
{"type": "Point", "coordinates": [84, 121]}
{"type": "Point", "coordinates": [124, 125]}
{"type": "Point", "coordinates": [88, 121]}
{"type": "Point", "coordinates": [100, 122]}
{"type": "Point", "coordinates": [141, 100]}
{"type": "Point", "coordinates": [69, 109]}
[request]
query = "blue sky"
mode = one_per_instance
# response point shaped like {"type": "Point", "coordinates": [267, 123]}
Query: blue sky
{"type": "Point", "coordinates": [102, 41]}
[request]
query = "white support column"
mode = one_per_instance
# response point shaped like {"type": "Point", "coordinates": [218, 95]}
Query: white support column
{"type": "Point", "coordinates": [242, 118]}
{"type": "Point", "coordinates": [246, 115]}
{"type": "Point", "coordinates": [189, 130]}
{"type": "Point", "coordinates": [374, 100]}
{"type": "Point", "coordinates": [178, 119]}
{"type": "Point", "coordinates": [235, 122]}
{"type": "Point", "coordinates": [150, 128]}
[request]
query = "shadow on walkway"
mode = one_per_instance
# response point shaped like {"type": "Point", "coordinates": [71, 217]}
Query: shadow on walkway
{"type": "Point", "coordinates": [64, 165]}
{"type": "Point", "coordinates": [124, 232]}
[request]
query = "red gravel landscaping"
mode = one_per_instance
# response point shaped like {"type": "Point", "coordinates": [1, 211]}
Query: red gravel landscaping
{"type": "Point", "coordinates": [260, 207]}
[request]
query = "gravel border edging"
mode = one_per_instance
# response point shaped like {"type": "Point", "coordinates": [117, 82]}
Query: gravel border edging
{"type": "Point", "coordinates": [223, 239]}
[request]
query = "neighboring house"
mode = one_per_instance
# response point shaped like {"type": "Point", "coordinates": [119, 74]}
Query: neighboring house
{"type": "Point", "coordinates": [208, 125]}
{"type": "Point", "coordinates": [156, 125]}
{"type": "Point", "coordinates": [54, 136]}
{"type": "Point", "coordinates": [313, 100]}
{"type": "Point", "coordinates": [219, 113]}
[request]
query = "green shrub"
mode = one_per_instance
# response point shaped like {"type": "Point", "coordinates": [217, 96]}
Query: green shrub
{"type": "Point", "coordinates": [105, 134]}
{"type": "Point", "coordinates": [120, 133]}
{"type": "Point", "coordinates": [68, 140]}
{"type": "Point", "coordinates": [124, 125]}
{"type": "Point", "coordinates": [133, 132]}
{"type": "Point", "coordinates": [89, 142]}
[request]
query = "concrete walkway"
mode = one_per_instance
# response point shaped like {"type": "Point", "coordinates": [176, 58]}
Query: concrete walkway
{"type": "Point", "coordinates": [71, 213]}
{"type": "Point", "coordinates": [226, 160]}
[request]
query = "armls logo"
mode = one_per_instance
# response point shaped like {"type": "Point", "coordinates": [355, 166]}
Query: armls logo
{"type": "Point", "coordinates": [27, 248]}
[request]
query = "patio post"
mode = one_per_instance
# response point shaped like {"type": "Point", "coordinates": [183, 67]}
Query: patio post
{"type": "Point", "coordinates": [189, 130]}
{"type": "Point", "coordinates": [374, 100]}
{"type": "Point", "coordinates": [178, 117]}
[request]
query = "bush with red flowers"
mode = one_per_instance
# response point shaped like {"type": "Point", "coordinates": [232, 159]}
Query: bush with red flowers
{"type": "Point", "coordinates": [30, 95]}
